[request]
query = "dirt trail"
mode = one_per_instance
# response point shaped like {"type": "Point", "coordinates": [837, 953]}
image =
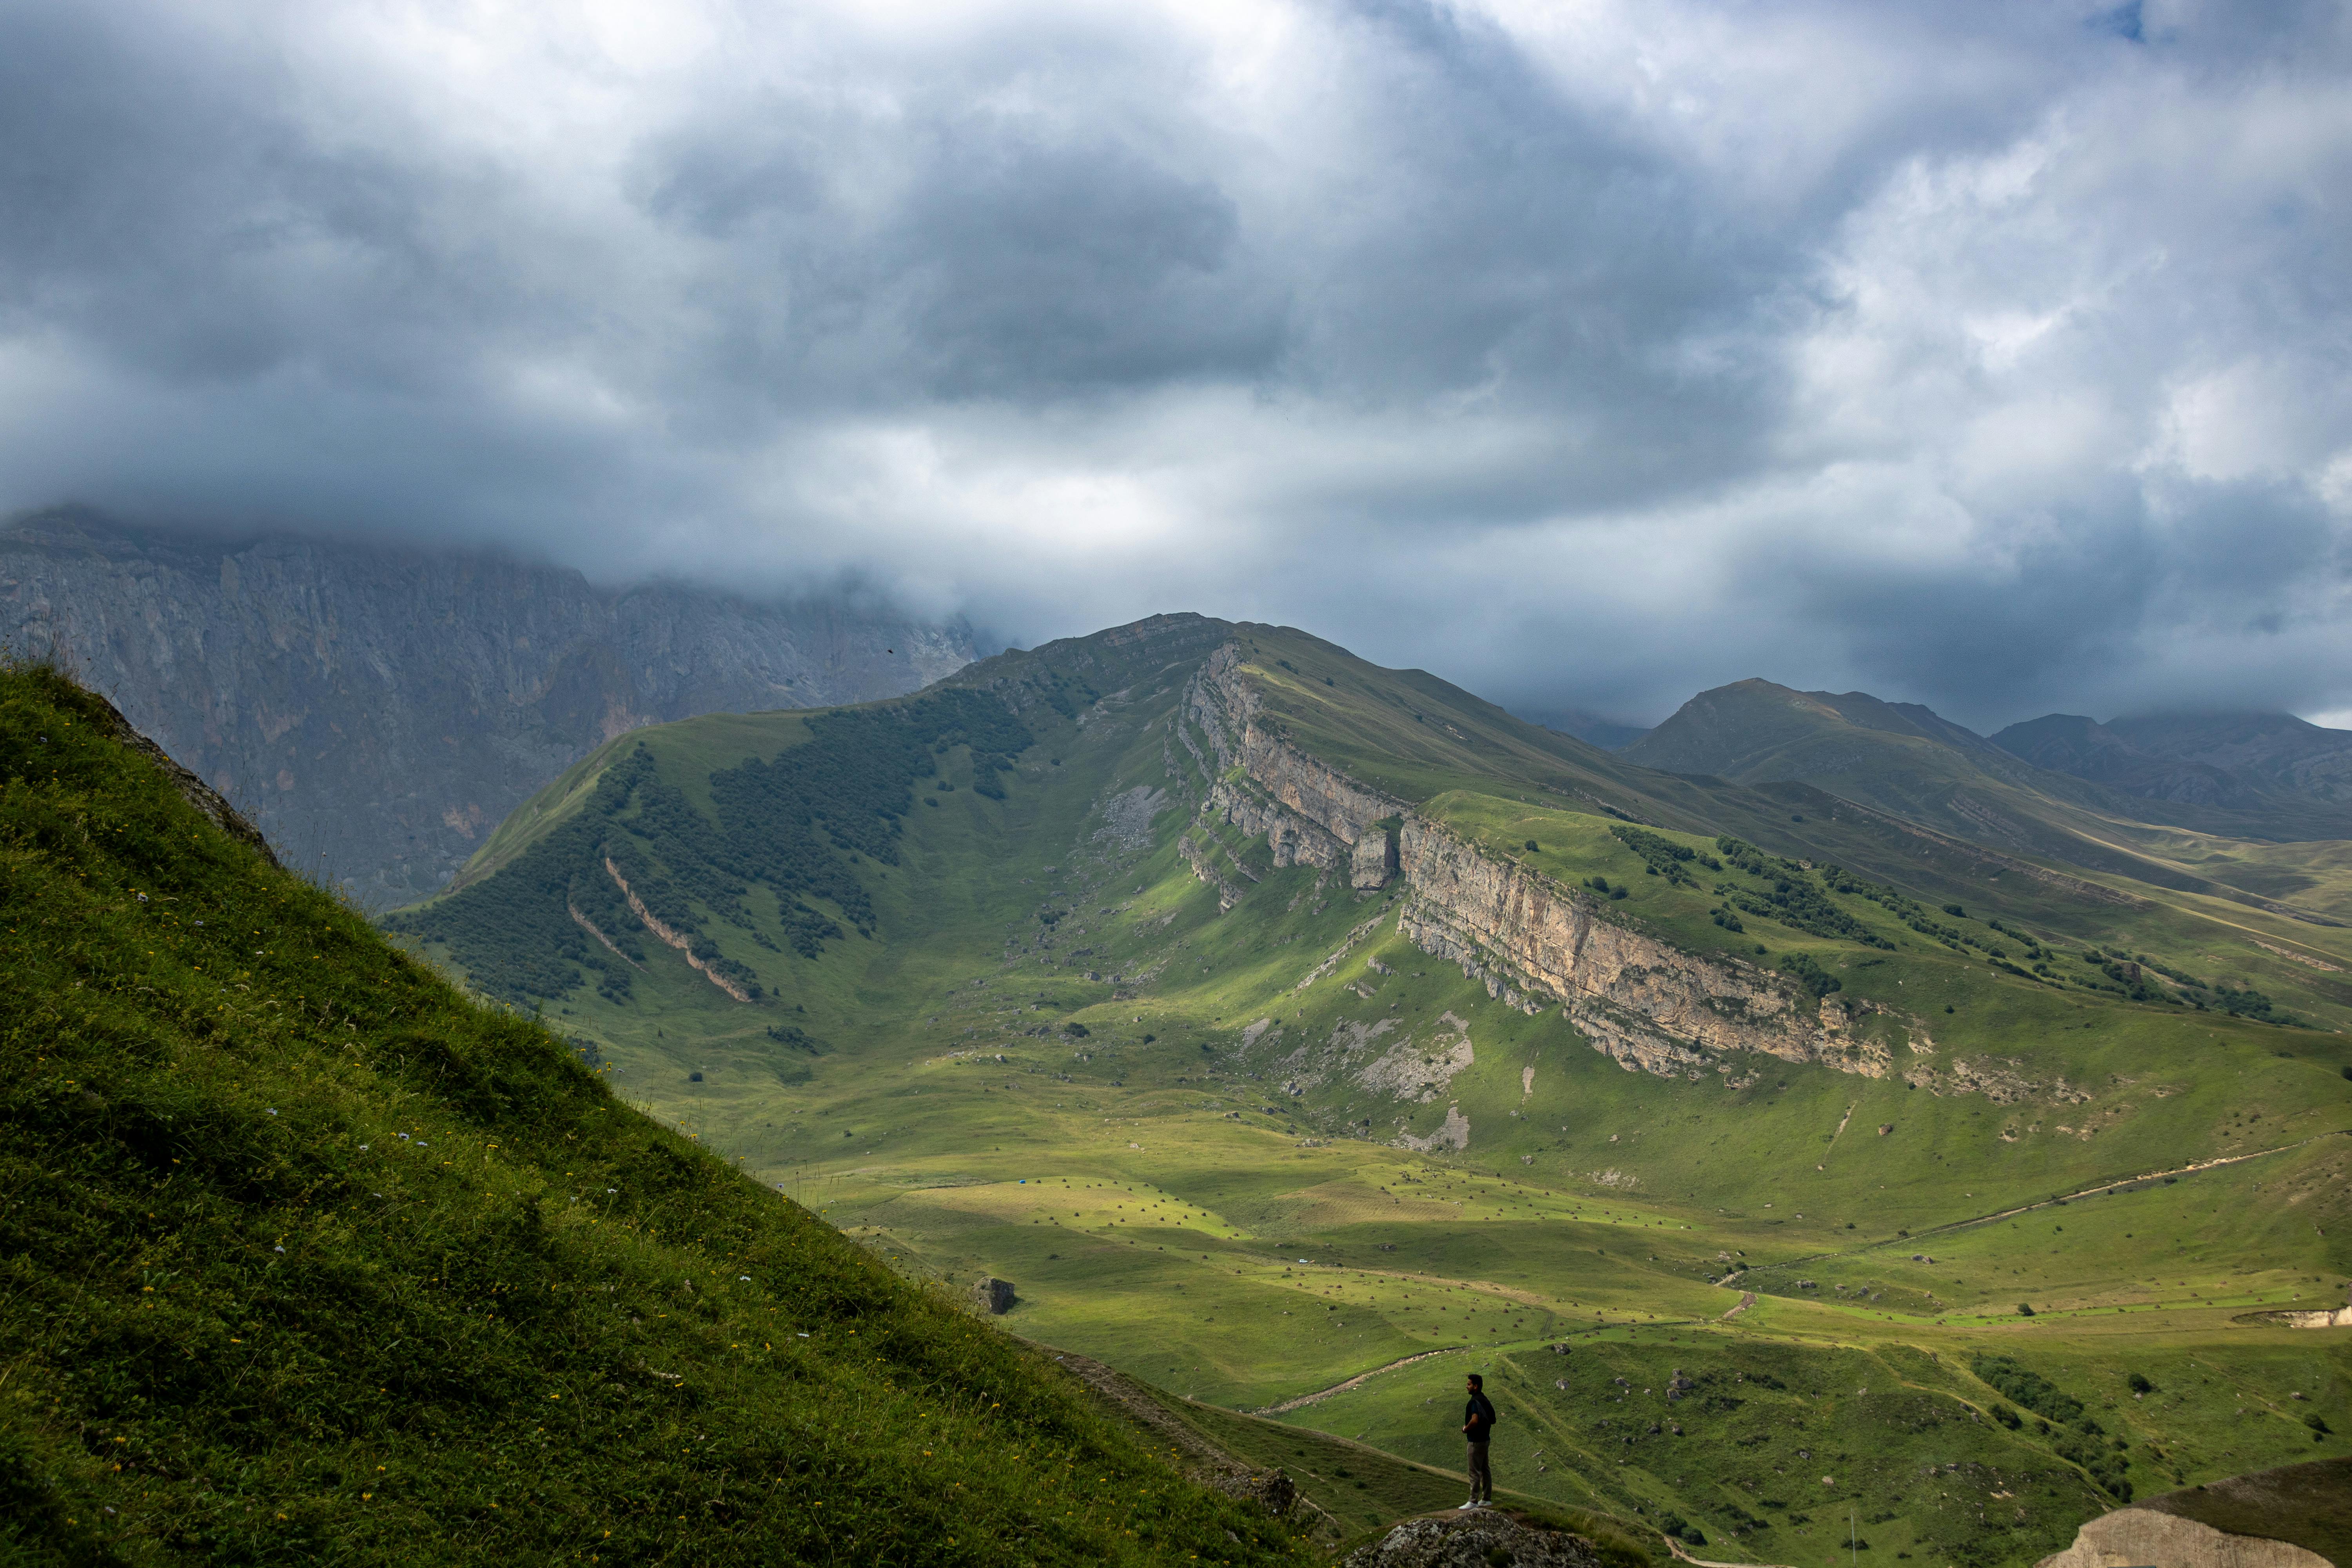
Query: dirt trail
{"type": "Point", "coordinates": [1681, 1555]}
{"type": "Point", "coordinates": [1361, 1377]}
{"type": "Point", "coordinates": [1747, 1300]}
{"type": "Point", "coordinates": [2116, 1185]}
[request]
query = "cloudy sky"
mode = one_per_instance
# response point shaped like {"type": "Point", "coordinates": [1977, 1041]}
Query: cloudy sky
{"type": "Point", "coordinates": [1993, 355]}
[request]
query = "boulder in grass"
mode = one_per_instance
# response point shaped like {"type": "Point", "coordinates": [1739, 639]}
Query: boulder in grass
{"type": "Point", "coordinates": [996, 1295]}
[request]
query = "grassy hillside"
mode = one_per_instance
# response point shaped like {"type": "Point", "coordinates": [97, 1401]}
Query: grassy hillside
{"type": "Point", "coordinates": [308, 1258]}
{"type": "Point", "coordinates": [1232, 1131]}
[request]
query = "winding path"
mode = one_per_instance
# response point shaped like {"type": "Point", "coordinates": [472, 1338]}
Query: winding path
{"type": "Point", "coordinates": [1360, 1377]}
{"type": "Point", "coordinates": [1677, 1547]}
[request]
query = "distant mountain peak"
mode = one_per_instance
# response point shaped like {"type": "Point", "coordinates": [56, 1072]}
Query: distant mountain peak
{"type": "Point", "coordinates": [1730, 730]}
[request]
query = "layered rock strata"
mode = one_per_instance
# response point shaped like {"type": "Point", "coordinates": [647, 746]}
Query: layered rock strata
{"type": "Point", "coordinates": [1650, 1007]}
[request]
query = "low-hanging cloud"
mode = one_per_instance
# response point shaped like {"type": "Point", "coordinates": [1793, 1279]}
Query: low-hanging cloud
{"type": "Point", "coordinates": [1991, 356]}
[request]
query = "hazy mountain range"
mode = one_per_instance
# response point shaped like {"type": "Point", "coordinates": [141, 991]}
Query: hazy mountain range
{"type": "Point", "coordinates": [2260, 775]}
{"type": "Point", "coordinates": [377, 710]}
{"type": "Point", "coordinates": [380, 710]}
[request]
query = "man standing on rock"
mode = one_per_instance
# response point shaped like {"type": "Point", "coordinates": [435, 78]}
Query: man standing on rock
{"type": "Point", "coordinates": [1478, 1426]}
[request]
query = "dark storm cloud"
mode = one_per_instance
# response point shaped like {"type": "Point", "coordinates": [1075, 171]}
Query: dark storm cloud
{"type": "Point", "coordinates": [1993, 356]}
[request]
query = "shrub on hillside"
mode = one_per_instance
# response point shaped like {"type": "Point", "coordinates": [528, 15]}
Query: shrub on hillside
{"type": "Point", "coordinates": [1810, 975]}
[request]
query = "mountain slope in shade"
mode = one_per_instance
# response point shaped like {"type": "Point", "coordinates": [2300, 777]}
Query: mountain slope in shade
{"type": "Point", "coordinates": [378, 710]}
{"type": "Point", "coordinates": [1609, 734]}
{"type": "Point", "coordinates": [2242, 762]}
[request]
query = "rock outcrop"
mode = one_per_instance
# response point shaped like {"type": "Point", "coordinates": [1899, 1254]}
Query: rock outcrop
{"type": "Point", "coordinates": [994, 1297]}
{"type": "Point", "coordinates": [1649, 1005]}
{"type": "Point", "coordinates": [377, 712]}
{"type": "Point", "coordinates": [1474, 1541]}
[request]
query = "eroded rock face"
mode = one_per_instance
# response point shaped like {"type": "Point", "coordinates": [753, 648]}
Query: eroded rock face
{"type": "Point", "coordinates": [1534, 943]}
{"type": "Point", "coordinates": [1474, 1541]}
{"type": "Point", "coordinates": [1310, 813]}
{"type": "Point", "coordinates": [1421, 1071]}
{"type": "Point", "coordinates": [378, 711]}
{"type": "Point", "coordinates": [1651, 1006]}
{"type": "Point", "coordinates": [1452, 1134]}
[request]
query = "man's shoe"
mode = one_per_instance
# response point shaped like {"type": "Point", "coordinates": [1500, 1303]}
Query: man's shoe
{"type": "Point", "coordinates": [1472, 1504]}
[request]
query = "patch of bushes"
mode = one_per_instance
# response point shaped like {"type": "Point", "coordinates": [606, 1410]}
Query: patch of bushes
{"type": "Point", "coordinates": [1795, 896]}
{"type": "Point", "coordinates": [2245, 1002]}
{"type": "Point", "coordinates": [1808, 975]}
{"type": "Point", "coordinates": [2027, 1387]}
{"type": "Point", "coordinates": [1661, 855]}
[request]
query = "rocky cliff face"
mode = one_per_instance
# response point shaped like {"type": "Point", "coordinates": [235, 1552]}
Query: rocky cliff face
{"type": "Point", "coordinates": [377, 710]}
{"type": "Point", "coordinates": [1651, 1006]}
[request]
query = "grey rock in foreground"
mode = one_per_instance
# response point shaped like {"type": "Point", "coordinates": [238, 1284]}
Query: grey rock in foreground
{"type": "Point", "coordinates": [378, 710]}
{"type": "Point", "coordinates": [1481, 1540]}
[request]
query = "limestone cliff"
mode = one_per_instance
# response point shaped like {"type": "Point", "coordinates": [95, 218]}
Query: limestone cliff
{"type": "Point", "coordinates": [377, 712]}
{"type": "Point", "coordinates": [1649, 1005]}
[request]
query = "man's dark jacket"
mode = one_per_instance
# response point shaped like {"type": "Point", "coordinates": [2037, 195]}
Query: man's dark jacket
{"type": "Point", "coordinates": [1478, 1418]}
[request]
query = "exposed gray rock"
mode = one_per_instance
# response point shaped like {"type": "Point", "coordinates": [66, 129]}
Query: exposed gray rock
{"type": "Point", "coordinates": [1373, 861]}
{"type": "Point", "coordinates": [377, 712]}
{"type": "Point", "coordinates": [1480, 1540]}
{"type": "Point", "coordinates": [996, 1295]}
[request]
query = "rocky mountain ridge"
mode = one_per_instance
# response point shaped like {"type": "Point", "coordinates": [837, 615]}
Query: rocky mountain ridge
{"type": "Point", "coordinates": [1533, 942]}
{"type": "Point", "coordinates": [378, 710]}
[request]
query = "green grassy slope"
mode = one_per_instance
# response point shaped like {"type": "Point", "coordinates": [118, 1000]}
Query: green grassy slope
{"type": "Point", "coordinates": [1037, 1046]}
{"type": "Point", "coordinates": [305, 1257]}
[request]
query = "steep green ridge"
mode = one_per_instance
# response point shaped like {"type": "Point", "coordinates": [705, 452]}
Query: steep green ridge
{"type": "Point", "coordinates": [308, 1258]}
{"type": "Point", "coordinates": [1858, 1089]}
